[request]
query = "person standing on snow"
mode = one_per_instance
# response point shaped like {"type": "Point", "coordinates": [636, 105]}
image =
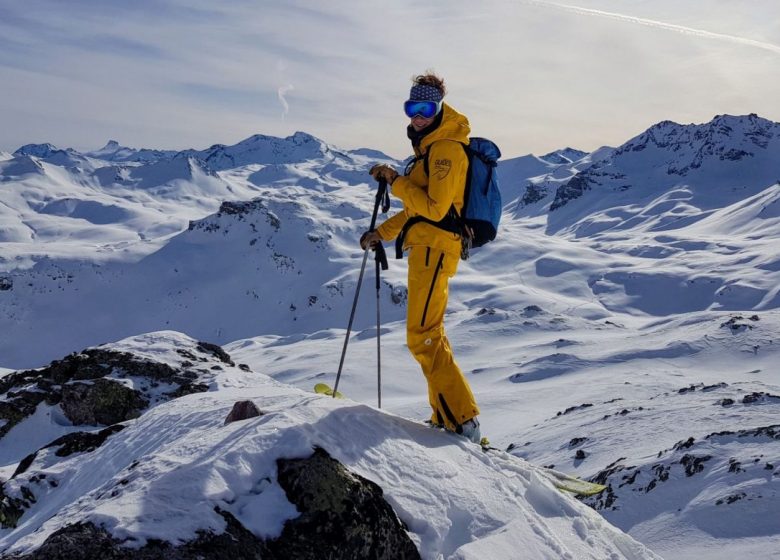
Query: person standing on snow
{"type": "Point", "coordinates": [433, 184]}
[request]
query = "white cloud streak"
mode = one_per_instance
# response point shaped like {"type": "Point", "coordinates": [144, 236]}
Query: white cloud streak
{"type": "Point", "coordinates": [281, 92]}
{"type": "Point", "coordinates": [658, 25]}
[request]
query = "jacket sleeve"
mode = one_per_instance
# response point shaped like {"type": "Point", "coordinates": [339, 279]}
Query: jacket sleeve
{"type": "Point", "coordinates": [447, 166]}
{"type": "Point", "coordinates": [391, 227]}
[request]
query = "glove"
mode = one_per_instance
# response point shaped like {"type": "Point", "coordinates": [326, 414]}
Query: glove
{"type": "Point", "coordinates": [384, 171]}
{"type": "Point", "coordinates": [370, 238]}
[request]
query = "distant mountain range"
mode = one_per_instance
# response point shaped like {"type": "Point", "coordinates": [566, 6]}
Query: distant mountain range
{"type": "Point", "coordinates": [623, 326]}
{"type": "Point", "coordinates": [65, 212]}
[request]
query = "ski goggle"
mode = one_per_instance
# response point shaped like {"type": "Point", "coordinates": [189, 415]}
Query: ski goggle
{"type": "Point", "coordinates": [425, 109]}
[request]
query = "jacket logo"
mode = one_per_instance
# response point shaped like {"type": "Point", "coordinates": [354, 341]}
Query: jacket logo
{"type": "Point", "coordinates": [441, 168]}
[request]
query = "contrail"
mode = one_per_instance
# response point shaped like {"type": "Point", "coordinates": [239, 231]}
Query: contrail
{"type": "Point", "coordinates": [658, 24]}
{"type": "Point", "coordinates": [281, 92]}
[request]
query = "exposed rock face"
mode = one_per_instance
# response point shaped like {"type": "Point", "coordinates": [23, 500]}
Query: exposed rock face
{"type": "Point", "coordinates": [11, 509]}
{"type": "Point", "coordinates": [343, 517]}
{"type": "Point", "coordinates": [77, 442]}
{"type": "Point", "coordinates": [574, 188]}
{"type": "Point", "coordinates": [89, 385]}
{"type": "Point", "coordinates": [18, 494]}
{"type": "Point", "coordinates": [243, 410]}
{"type": "Point", "coordinates": [685, 457]}
{"type": "Point", "coordinates": [533, 193]}
{"type": "Point", "coordinates": [85, 541]}
{"type": "Point", "coordinates": [102, 401]}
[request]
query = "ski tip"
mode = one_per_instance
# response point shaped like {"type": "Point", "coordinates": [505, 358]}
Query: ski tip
{"type": "Point", "coordinates": [325, 389]}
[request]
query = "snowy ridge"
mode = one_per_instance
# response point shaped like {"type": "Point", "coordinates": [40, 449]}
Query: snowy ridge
{"type": "Point", "coordinates": [179, 457]}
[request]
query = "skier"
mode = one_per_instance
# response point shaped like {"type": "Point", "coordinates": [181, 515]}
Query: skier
{"type": "Point", "coordinates": [429, 188]}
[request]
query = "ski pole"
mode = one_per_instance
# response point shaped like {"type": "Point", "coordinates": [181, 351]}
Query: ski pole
{"type": "Point", "coordinates": [381, 263]}
{"type": "Point", "coordinates": [382, 198]}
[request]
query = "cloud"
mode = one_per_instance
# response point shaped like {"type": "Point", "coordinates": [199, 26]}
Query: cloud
{"type": "Point", "coordinates": [188, 73]}
{"type": "Point", "coordinates": [281, 92]}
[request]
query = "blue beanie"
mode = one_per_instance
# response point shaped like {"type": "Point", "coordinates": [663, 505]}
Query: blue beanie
{"type": "Point", "coordinates": [420, 92]}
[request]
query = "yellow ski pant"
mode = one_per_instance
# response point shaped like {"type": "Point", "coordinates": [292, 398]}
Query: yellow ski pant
{"type": "Point", "coordinates": [448, 391]}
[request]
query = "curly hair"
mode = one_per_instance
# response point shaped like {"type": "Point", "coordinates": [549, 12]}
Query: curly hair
{"type": "Point", "coordinates": [431, 79]}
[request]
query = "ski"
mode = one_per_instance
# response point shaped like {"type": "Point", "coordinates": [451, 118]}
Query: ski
{"type": "Point", "coordinates": [325, 389]}
{"type": "Point", "coordinates": [562, 481]}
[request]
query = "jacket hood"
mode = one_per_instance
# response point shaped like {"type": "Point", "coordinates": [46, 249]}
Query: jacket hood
{"type": "Point", "coordinates": [454, 126]}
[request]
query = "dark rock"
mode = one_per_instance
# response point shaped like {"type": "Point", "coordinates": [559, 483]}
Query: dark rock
{"type": "Point", "coordinates": [85, 541]}
{"type": "Point", "coordinates": [6, 283]}
{"type": "Point", "coordinates": [687, 444]}
{"type": "Point", "coordinates": [731, 499]}
{"type": "Point", "coordinates": [693, 464]}
{"type": "Point", "coordinates": [574, 188]}
{"type": "Point", "coordinates": [737, 323]}
{"type": "Point", "coordinates": [735, 466]}
{"type": "Point", "coordinates": [244, 367]}
{"type": "Point", "coordinates": [76, 442]}
{"type": "Point", "coordinates": [533, 193]}
{"type": "Point", "coordinates": [577, 441]}
{"type": "Point", "coordinates": [11, 509]}
{"type": "Point", "coordinates": [532, 310]}
{"type": "Point", "coordinates": [760, 397]}
{"type": "Point", "coordinates": [343, 515]}
{"type": "Point", "coordinates": [217, 351]}
{"type": "Point", "coordinates": [102, 401]}
{"type": "Point", "coordinates": [573, 408]}
{"type": "Point", "coordinates": [243, 410]}
{"type": "Point", "coordinates": [580, 455]}
{"type": "Point", "coordinates": [188, 390]}
{"type": "Point", "coordinates": [57, 384]}
{"type": "Point", "coordinates": [708, 388]}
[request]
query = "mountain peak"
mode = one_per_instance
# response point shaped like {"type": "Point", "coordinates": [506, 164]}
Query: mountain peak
{"type": "Point", "coordinates": [37, 150]}
{"type": "Point", "coordinates": [564, 156]}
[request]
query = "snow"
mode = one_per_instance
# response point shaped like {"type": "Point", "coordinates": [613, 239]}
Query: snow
{"type": "Point", "coordinates": [643, 286]}
{"type": "Point", "coordinates": [162, 476]}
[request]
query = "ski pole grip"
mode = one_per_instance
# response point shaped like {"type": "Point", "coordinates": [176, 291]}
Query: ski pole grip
{"type": "Point", "coordinates": [381, 256]}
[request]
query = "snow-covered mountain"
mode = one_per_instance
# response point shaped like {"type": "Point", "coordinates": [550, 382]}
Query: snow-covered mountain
{"type": "Point", "coordinates": [624, 326]}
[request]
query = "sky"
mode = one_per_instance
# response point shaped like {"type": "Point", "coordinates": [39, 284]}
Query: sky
{"type": "Point", "coordinates": [533, 75]}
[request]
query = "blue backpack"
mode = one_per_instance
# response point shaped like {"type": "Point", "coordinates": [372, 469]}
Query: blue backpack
{"type": "Point", "coordinates": [482, 198]}
{"type": "Point", "coordinates": [481, 213]}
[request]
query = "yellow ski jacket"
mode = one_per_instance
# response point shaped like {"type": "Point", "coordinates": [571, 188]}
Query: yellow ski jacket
{"type": "Point", "coordinates": [431, 196]}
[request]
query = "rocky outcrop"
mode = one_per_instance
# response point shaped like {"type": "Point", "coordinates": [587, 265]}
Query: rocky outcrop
{"type": "Point", "coordinates": [77, 442]}
{"type": "Point", "coordinates": [86, 541]}
{"type": "Point", "coordinates": [243, 410]}
{"type": "Point", "coordinates": [574, 188]}
{"type": "Point", "coordinates": [93, 386]}
{"type": "Point", "coordinates": [533, 193]}
{"type": "Point", "coordinates": [19, 493]}
{"type": "Point", "coordinates": [343, 516]}
{"type": "Point", "coordinates": [102, 401]}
